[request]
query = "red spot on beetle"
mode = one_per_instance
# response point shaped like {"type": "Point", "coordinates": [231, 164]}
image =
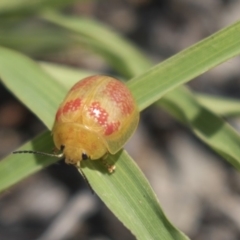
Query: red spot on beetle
{"type": "Point", "coordinates": [121, 96]}
{"type": "Point", "coordinates": [99, 114]}
{"type": "Point", "coordinates": [101, 117]}
{"type": "Point", "coordinates": [71, 106]}
{"type": "Point", "coordinates": [111, 128]}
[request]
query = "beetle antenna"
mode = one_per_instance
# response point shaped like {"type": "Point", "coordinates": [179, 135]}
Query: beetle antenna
{"type": "Point", "coordinates": [40, 153]}
{"type": "Point", "coordinates": [57, 156]}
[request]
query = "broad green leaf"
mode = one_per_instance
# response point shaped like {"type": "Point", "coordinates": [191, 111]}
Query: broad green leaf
{"type": "Point", "coordinates": [126, 192]}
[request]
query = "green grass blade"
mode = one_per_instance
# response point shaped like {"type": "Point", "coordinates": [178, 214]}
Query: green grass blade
{"type": "Point", "coordinates": [141, 211]}
{"type": "Point", "coordinates": [67, 76]}
{"type": "Point", "coordinates": [126, 192]}
{"type": "Point", "coordinates": [223, 106]}
{"type": "Point", "coordinates": [15, 67]}
{"type": "Point", "coordinates": [214, 131]}
{"type": "Point", "coordinates": [17, 7]}
{"type": "Point", "coordinates": [186, 65]}
{"type": "Point", "coordinates": [122, 56]}
{"type": "Point", "coordinates": [15, 168]}
{"type": "Point", "coordinates": [34, 40]}
{"type": "Point", "coordinates": [161, 79]}
{"type": "Point", "coordinates": [28, 82]}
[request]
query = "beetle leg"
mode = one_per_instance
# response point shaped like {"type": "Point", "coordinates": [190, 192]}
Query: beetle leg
{"type": "Point", "coordinates": [55, 151]}
{"type": "Point", "coordinates": [110, 168]}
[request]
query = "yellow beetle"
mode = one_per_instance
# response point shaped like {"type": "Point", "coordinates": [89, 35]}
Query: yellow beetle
{"type": "Point", "coordinates": [97, 117]}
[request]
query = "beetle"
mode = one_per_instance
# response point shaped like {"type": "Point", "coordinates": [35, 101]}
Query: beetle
{"type": "Point", "coordinates": [97, 117]}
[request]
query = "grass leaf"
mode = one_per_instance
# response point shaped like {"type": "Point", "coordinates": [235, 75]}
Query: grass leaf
{"type": "Point", "coordinates": [126, 192]}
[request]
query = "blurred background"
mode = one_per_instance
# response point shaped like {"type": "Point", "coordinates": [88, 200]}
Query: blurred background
{"type": "Point", "coordinates": [198, 191]}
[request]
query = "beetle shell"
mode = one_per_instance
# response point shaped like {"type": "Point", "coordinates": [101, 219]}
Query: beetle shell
{"type": "Point", "coordinates": [98, 115]}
